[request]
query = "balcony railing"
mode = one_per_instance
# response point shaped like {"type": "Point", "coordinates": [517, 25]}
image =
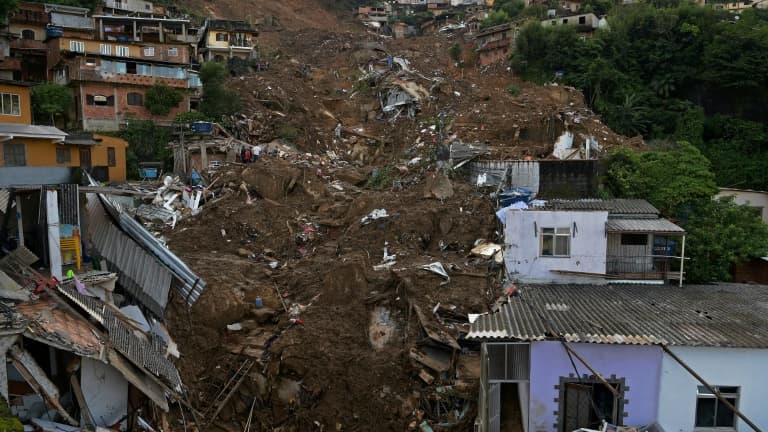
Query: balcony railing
{"type": "Point", "coordinates": [643, 267]}
{"type": "Point", "coordinates": [141, 80]}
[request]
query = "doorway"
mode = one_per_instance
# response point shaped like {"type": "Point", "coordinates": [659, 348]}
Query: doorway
{"type": "Point", "coordinates": [586, 403]}
{"type": "Point", "coordinates": [85, 158]}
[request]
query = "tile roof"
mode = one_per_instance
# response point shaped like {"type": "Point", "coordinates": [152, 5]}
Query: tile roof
{"type": "Point", "coordinates": [47, 321]}
{"type": "Point", "coordinates": [646, 225]}
{"type": "Point", "coordinates": [724, 315]}
{"type": "Point", "coordinates": [612, 206]}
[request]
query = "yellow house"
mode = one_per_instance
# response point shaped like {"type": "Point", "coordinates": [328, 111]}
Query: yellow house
{"type": "Point", "coordinates": [30, 154]}
{"type": "Point", "coordinates": [111, 153]}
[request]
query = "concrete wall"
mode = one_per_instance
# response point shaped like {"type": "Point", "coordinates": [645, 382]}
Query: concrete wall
{"type": "Point", "coordinates": [105, 117]}
{"type": "Point", "coordinates": [42, 152]}
{"type": "Point", "coordinates": [638, 365]}
{"type": "Point", "coordinates": [744, 368]}
{"type": "Point", "coordinates": [523, 242]}
{"type": "Point", "coordinates": [749, 198]}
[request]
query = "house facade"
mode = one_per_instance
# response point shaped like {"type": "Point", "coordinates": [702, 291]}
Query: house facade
{"type": "Point", "coordinates": [757, 200]}
{"type": "Point", "coordinates": [557, 358]}
{"type": "Point", "coordinates": [590, 241]}
{"type": "Point", "coordinates": [588, 22]}
{"type": "Point", "coordinates": [31, 154]}
{"type": "Point", "coordinates": [225, 39]}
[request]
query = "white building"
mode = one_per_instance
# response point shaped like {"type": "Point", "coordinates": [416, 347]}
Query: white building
{"type": "Point", "coordinates": [590, 241]}
{"type": "Point", "coordinates": [757, 200]}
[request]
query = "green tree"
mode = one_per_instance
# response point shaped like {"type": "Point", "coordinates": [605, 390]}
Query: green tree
{"type": "Point", "coordinates": [7, 6]}
{"type": "Point", "coordinates": [217, 100]}
{"type": "Point", "coordinates": [160, 99]}
{"type": "Point", "coordinates": [510, 7]}
{"type": "Point", "coordinates": [495, 17]}
{"type": "Point", "coordinates": [670, 180]}
{"type": "Point", "coordinates": [147, 142]}
{"type": "Point", "coordinates": [50, 100]}
{"type": "Point", "coordinates": [455, 52]}
{"type": "Point", "coordinates": [721, 234]}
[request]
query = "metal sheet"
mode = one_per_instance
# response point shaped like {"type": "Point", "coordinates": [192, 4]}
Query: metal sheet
{"type": "Point", "coordinates": [724, 315]}
{"type": "Point", "coordinates": [659, 225]}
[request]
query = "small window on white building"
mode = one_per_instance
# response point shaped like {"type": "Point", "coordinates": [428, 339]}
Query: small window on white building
{"type": "Point", "coordinates": [122, 51]}
{"type": "Point", "coordinates": [149, 52]}
{"type": "Point", "coordinates": [173, 52]}
{"type": "Point", "coordinates": [77, 46]}
{"type": "Point", "coordinates": [105, 49]}
{"type": "Point", "coordinates": [556, 242]}
{"type": "Point", "coordinates": [711, 413]}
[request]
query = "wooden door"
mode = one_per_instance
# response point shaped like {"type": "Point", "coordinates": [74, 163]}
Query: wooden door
{"type": "Point", "coordinates": [85, 158]}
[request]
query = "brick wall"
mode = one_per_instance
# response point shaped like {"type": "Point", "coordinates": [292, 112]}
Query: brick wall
{"type": "Point", "coordinates": [108, 117]}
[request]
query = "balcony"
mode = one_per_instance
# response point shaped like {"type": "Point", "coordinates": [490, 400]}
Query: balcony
{"type": "Point", "coordinates": [28, 44]}
{"type": "Point", "coordinates": [643, 267]}
{"type": "Point", "coordinates": [130, 79]}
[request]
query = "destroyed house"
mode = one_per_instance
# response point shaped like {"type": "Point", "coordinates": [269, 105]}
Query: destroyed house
{"type": "Point", "coordinates": [557, 358]}
{"type": "Point", "coordinates": [495, 43]}
{"type": "Point", "coordinates": [591, 241]}
{"type": "Point", "coordinates": [73, 358]}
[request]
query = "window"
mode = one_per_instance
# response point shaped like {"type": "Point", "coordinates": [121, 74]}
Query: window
{"type": "Point", "coordinates": [105, 49]}
{"type": "Point", "coordinates": [28, 34]}
{"type": "Point", "coordinates": [122, 51]}
{"type": "Point", "coordinates": [90, 61]}
{"type": "Point", "coordinates": [554, 22]}
{"type": "Point", "coordinates": [100, 100]}
{"type": "Point", "coordinates": [63, 155]}
{"type": "Point", "coordinates": [135, 99]}
{"type": "Point", "coordinates": [77, 46]}
{"type": "Point", "coordinates": [111, 156]}
{"type": "Point", "coordinates": [565, 20]}
{"type": "Point", "coordinates": [143, 69]}
{"type": "Point", "coordinates": [582, 20]}
{"type": "Point", "coordinates": [14, 154]}
{"type": "Point", "coordinates": [173, 52]}
{"type": "Point", "coordinates": [222, 37]}
{"type": "Point", "coordinates": [10, 104]}
{"type": "Point", "coordinates": [711, 413]}
{"type": "Point", "coordinates": [147, 6]}
{"type": "Point", "coordinates": [634, 239]}
{"type": "Point", "coordinates": [149, 52]}
{"type": "Point", "coordinates": [555, 242]}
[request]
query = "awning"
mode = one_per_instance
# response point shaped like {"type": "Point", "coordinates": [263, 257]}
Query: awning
{"type": "Point", "coordinates": [649, 225]}
{"type": "Point", "coordinates": [11, 131]}
{"type": "Point", "coordinates": [84, 139]}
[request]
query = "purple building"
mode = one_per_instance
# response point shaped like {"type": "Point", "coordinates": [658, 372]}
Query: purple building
{"type": "Point", "coordinates": [558, 358]}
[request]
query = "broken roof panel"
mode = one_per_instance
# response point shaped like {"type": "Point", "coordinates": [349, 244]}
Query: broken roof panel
{"type": "Point", "coordinates": [725, 315]}
{"type": "Point", "coordinates": [50, 323]}
{"type": "Point", "coordinates": [142, 349]}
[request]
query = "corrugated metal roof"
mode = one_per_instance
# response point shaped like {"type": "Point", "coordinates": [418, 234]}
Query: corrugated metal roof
{"type": "Point", "coordinates": [140, 273]}
{"type": "Point", "coordinates": [145, 350]}
{"type": "Point", "coordinates": [189, 285]}
{"type": "Point", "coordinates": [31, 131]}
{"type": "Point", "coordinates": [613, 206]}
{"type": "Point", "coordinates": [659, 225]}
{"type": "Point", "coordinates": [724, 315]}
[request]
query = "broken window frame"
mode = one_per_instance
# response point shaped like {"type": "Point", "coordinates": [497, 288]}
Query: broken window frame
{"type": "Point", "coordinates": [559, 237]}
{"type": "Point", "coordinates": [730, 393]}
{"type": "Point", "coordinates": [592, 381]}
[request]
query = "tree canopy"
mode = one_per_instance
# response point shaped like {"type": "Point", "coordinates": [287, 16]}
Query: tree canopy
{"type": "Point", "coordinates": [217, 100]}
{"type": "Point", "coordinates": [679, 182]}
{"type": "Point", "coordinates": [161, 99]}
{"type": "Point", "coordinates": [668, 71]}
{"type": "Point", "coordinates": [50, 100]}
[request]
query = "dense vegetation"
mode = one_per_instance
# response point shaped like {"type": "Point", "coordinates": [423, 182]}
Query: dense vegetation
{"type": "Point", "coordinates": [50, 101]}
{"type": "Point", "coordinates": [161, 99]}
{"type": "Point", "coordinates": [217, 100]}
{"type": "Point", "coordinates": [679, 182]}
{"type": "Point", "coordinates": [677, 73]}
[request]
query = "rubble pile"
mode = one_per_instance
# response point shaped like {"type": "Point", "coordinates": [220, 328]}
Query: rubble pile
{"type": "Point", "coordinates": [331, 289]}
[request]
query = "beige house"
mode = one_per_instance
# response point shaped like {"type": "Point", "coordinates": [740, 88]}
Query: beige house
{"type": "Point", "coordinates": [758, 200]}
